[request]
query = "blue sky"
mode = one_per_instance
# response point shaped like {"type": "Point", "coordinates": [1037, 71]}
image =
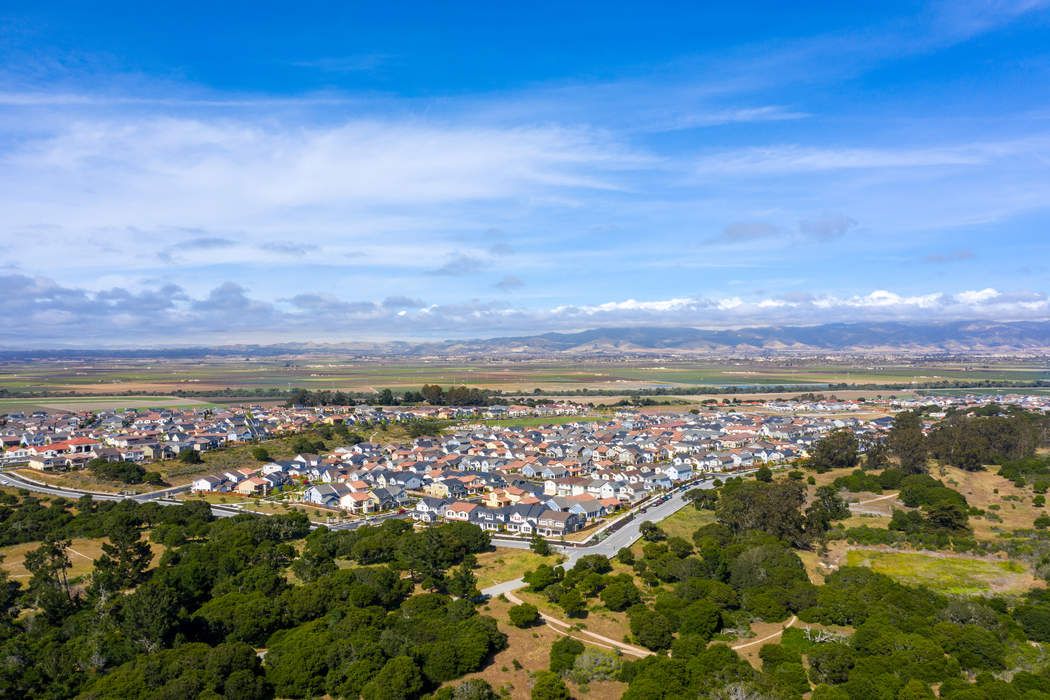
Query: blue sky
{"type": "Point", "coordinates": [407, 170]}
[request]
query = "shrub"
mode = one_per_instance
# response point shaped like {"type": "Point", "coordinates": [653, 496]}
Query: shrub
{"type": "Point", "coordinates": [548, 686]}
{"type": "Point", "coordinates": [190, 456]}
{"type": "Point", "coordinates": [594, 665]}
{"type": "Point", "coordinates": [563, 654]}
{"type": "Point", "coordinates": [524, 615]}
{"type": "Point", "coordinates": [620, 595]}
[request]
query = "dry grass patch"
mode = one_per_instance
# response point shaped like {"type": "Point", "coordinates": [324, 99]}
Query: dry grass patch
{"type": "Point", "coordinates": [83, 480]}
{"type": "Point", "coordinates": [986, 489]}
{"type": "Point", "coordinates": [505, 564]}
{"type": "Point", "coordinates": [599, 620]}
{"type": "Point", "coordinates": [82, 552]}
{"type": "Point", "coordinates": [531, 649]}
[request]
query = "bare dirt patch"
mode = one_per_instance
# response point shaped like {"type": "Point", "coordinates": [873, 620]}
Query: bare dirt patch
{"type": "Point", "coordinates": [531, 649]}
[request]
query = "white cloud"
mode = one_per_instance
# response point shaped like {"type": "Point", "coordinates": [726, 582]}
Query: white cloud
{"type": "Point", "coordinates": [977, 296]}
{"type": "Point", "coordinates": [41, 311]}
{"type": "Point", "coordinates": [779, 160]}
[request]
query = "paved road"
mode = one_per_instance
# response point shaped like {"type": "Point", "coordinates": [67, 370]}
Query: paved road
{"type": "Point", "coordinates": [163, 497]}
{"type": "Point", "coordinates": [624, 537]}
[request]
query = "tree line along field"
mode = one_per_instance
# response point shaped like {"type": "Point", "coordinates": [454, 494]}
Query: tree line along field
{"type": "Point", "coordinates": [166, 376]}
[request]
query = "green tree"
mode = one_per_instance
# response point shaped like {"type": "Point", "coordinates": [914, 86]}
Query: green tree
{"type": "Point", "coordinates": [652, 629]}
{"type": "Point", "coordinates": [549, 686]}
{"type": "Point", "coordinates": [951, 517]}
{"type": "Point", "coordinates": [399, 678]}
{"type": "Point", "coordinates": [190, 456]}
{"type": "Point", "coordinates": [49, 587]}
{"type": "Point", "coordinates": [907, 442]}
{"type": "Point", "coordinates": [835, 450]}
{"type": "Point", "coordinates": [620, 595]}
{"type": "Point", "coordinates": [463, 583]}
{"type": "Point", "coordinates": [540, 546]}
{"type": "Point", "coordinates": [150, 616]}
{"type": "Point", "coordinates": [564, 651]}
{"type": "Point", "coordinates": [746, 506]}
{"type": "Point", "coordinates": [764, 474]}
{"type": "Point", "coordinates": [125, 557]}
{"type": "Point", "coordinates": [827, 506]}
{"type": "Point", "coordinates": [651, 532]}
{"type": "Point", "coordinates": [915, 690]}
{"type": "Point", "coordinates": [261, 454]}
{"type": "Point", "coordinates": [523, 615]}
{"type": "Point", "coordinates": [830, 663]}
{"type": "Point", "coordinates": [876, 456]}
{"type": "Point", "coordinates": [572, 603]}
{"type": "Point", "coordinates": [702, 499]}
{"type": "Point", "coordinates": [701, 617]}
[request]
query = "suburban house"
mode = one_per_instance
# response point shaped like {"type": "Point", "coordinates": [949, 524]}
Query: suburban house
{"type": "Point", "coordinates": [554, 523]}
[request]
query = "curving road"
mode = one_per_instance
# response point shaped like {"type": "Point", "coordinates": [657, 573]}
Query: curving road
{"type": "Point", "coordinates": [163, 497]}
{"type": "Point", "coordinates": [607, 546]}
{"type": "Point", "coordinates": [613, 543]}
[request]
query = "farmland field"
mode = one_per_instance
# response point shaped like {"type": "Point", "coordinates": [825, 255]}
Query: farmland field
{"type": "Point", "coordinates": [101, 403]}
{"type": "Point", "coordinates": [537, 421]}
{"type": "Point", "coordinates": [250, 377]}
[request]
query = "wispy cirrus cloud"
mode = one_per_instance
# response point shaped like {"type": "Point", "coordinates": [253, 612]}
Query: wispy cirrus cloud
{"type": "Point", "coordinates": [950, 256]}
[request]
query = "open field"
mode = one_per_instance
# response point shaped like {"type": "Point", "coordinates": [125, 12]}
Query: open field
{"type": "Point", "coordinates": [992, 493]}
{"type": "Point", "coordinates": [106, 377]}
{"type": "Point", "coordinates": [685, 522]}
{"type": "Point", "coordinates": [1035, 391]}
{"type": "Point", "coordinates": [947, 573]}
{"type": "Point", "coordinates": [505, 564]}
{"type": "Point", "coordinates": [81, 479]}
{"type": "Point", "coordinates": [82, 555]}
{"type": "Point", "coordinates": [101, 403]}
{"type": "Point", "coordinates": [537, 421]}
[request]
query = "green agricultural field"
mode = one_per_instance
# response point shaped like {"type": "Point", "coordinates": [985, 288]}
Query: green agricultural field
{"type": "Point", "coordinates": [164, 377]}
{"type": "Point", "coordinates": [538, 421]}
{"type": "Point", "coordinates": [945, 573]}
{"type": "Point", "coordinates": [101, 403]}
{"type": "Point", "coordinates": [1035, 391]}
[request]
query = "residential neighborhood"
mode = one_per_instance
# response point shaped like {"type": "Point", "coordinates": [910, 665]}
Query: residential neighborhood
{"type": "Point", "coordinates": [551, 480]}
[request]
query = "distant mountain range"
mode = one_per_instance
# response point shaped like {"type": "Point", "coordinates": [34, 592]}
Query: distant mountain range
{"type": "Point", "coordinates": [960, 336]}
{"type": "Point", "coordinates": [875, 337]}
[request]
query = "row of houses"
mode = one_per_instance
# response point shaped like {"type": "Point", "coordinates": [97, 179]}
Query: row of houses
{"type": "Point", "coordinates": [58, 440]}
{"type": "Point", "coordinates": [524, 519]}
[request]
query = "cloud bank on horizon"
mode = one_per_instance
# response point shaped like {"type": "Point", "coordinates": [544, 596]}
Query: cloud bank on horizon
{"type": "Point", "coordinates": [411, 172]}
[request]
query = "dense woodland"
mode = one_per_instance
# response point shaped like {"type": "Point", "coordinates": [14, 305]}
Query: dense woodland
{"type": "Point", "coordinates": [397, 623]}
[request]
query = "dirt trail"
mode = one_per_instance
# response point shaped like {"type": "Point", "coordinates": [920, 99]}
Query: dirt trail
{"type": "Point", "coordinates": [779, 632]}
{"type": "Point", "coordinates": [554, 623]}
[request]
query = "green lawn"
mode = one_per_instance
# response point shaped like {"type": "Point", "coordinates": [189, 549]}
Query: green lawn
{"type": "Point", "coordinates": [945, 574]}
